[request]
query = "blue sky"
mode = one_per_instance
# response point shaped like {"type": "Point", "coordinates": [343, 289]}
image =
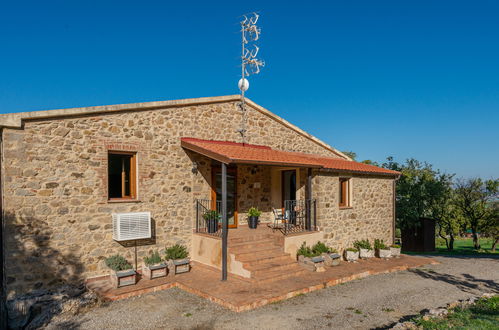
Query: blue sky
{"type": "Point", "coordinates": [404, 78]}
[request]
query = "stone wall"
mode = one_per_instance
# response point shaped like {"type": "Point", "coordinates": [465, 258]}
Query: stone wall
{"type": "Point", "coordinates": [369, 217]}
{"type": "Point", "coordinates": [58, 218]}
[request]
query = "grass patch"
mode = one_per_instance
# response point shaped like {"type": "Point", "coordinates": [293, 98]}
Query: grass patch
{"type": "Point", "coordinates": [484, 314]}
{"type": "Point", "coordinates": [187, 314]}
{"type": "Point", "coordinates": [461, 246]}
{"type": "Point", "coordinates": [387, 310]}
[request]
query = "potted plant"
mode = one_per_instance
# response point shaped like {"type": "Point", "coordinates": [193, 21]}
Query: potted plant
{"type": "Point", "coordinates": [154, 266]}
{"type": "Point", "coordinates": [351, 254]}
{"type": "Point", "coordinates": [311, 258]}
{"type": "Point", "coordinates": [395, 250]}
{"type": "Point", "coordinates": [253, 215]}
{"type": "Point", "coordinates": [177, 259]}
{"type": "Point", "coordinates": [365, 249]}
{"type": "Point", "coordinates": [331, 256]}
{"type": "Point", "coordinates": [382, 250]}
{"type": "Point", "coordinates": [124, 274]}
{"type": "Point", "coordinates": [211, 218]}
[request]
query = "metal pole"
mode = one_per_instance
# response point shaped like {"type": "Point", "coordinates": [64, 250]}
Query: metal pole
{"type": "Point", "coordinates": [224, 222]}
{"type": "Point", "coordinates": [308, 200]}
{"type": "Point", "coordinates": [243, 69]}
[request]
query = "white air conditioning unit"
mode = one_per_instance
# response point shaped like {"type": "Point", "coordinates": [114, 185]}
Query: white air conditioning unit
{"type": "Point", "coordinates": [131, 226]}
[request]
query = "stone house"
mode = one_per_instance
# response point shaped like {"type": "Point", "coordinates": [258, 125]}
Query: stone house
{"type": "Point", "coordinates": [65, 172]}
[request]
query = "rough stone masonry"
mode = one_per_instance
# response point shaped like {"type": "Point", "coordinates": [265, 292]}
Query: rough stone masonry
{"type": "Point", "coordinates": [57, 214]}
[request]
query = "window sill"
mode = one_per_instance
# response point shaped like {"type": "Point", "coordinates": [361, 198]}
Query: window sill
{"type": "Point", "coordinates": [124, 200]}
{"type": "Point", "coordinates": [346, 207]}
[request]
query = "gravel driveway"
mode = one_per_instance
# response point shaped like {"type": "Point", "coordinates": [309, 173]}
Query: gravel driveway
{"type": "Point", "coordinates": [372, 302]}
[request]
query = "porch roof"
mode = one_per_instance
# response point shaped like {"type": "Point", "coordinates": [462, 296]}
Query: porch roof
{"type": "Point", "coordinates": [238, 153]}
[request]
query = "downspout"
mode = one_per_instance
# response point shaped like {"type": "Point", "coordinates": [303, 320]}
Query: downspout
{"type": "Point", "coordinates": [3, 293]}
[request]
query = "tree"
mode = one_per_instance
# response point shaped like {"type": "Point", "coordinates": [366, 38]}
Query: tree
{"type": "Point", "coordinates": [350, 154]}
{"type": "Point", "coordinates": [423, 192]}
{"type": "Point", "coordinates": [490, 225]}
{"type": "Point", "coordinates": [473, 199]}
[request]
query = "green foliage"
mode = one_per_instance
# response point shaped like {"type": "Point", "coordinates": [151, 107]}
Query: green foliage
{"type": "Point", "coordinates": [152, 259]}
{"type": "Point", "coordinates": [350, 154]}
{"type": "Point", "coordinates": [484, 314]}
{"type": "Point", "coordinates": [254, 212]}
{"type": "Point", "coordinates": [176, 251]}
{"type": "Point", "coordinates": [363, 244]}
{"type": "Point", "coordinates": [398, 233]}
{"type": "Point", "coordinates": [395, 246]}
{"type": "Point", "coordinates": [320, 248]}
{"type": "Point", "coordinates": [352, 249]}
{"type": "Point", "coordinates": [314, 251]}
{"type": "Point", "coordinates": [117, 263]}
{"type": "Point", "coordinates": [473, 198]}
{"type": "Point", "coordinates": [211, 214]}
{"type": "Point", "coordinates": [379, 244]}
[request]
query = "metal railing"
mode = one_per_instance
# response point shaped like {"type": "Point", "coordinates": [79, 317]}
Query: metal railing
{"type": "Point", "coordinates": [208, 221]}
{"type": "Point", "coordinates": [299, 216]}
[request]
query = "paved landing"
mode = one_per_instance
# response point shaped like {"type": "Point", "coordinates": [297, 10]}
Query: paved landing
{"type": "Point", "coordinates": [239, 294]}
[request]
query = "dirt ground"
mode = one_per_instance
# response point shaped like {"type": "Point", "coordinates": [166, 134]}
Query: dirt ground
{"type": "Point", "coordinates": [373, 302]}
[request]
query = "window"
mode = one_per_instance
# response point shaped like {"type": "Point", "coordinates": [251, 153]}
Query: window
{"type": "Point", "coordinates": [122, 182]}
{"type": "Point", "coordinates": [345, 193]}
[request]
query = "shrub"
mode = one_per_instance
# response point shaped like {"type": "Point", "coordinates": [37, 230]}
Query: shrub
{"type": "Point", "coordinates": [254, 212]}
{"type": "Point", "coordinates": [363, 244]}
{"type": "Point", "coordinates": [320, 248]}
{"type": "Point", "coordinates": [176, 251]}
{"type": "Point", "coordinates": [398, 233]}
{"type": "Point", "coordinates": [212, 214]}
{"type": "Point", "coordinates": [305, 251]}
{"type": "Point", "coordinates": [118, 263]}
{"type": "Point", "coordinates": [396, 246]}
{"type": "Point", "coordinates": [154, 258]}
{"type": "Point", "coordinates": [352, 250]}
{"type": "Point", "coordinates": [379, 244]}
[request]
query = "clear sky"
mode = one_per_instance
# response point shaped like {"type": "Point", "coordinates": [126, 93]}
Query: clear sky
{"type": "Point", "coordinates": [404, 78]}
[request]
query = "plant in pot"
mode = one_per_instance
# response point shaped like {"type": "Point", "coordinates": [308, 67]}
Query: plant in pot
{"type": "Point", "coordinates": [154, 266]}
{"type": "Point", "coordinates": [177, 259]}
{"type": "Point", "coordinates": [382, 250]}
{"type": "Point", "coordinates": [395, 250]}
{"type": "Point", "coordinates": [331, 256]}
{"type": "Point", "coordinates": [253, 214]}
{"type": "Point", "coordinates": [211, 217]}
{"type": "Point", "coordinates": [124, 274]}
{"type": "Point", "coordinates": [365, 249]}
{"type": "Point", "coordinates": [310, 258]}
{"type": "Point", "coordinates": [351, 254]}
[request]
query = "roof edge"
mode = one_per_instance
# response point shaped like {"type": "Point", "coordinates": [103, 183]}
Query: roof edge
{"type": "Point", "coordinates": [14, 120]}
{"type": "Point", "coordinates": [295, 128]}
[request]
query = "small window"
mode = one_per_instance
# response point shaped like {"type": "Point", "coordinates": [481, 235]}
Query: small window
{"type": "Point", "coordinates": [345, 187]}
{"type": "Point", "coordinates": [122, 175]}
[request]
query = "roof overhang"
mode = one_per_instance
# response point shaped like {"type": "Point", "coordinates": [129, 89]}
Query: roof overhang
{"type": "Point", "coordinates": [239, 153]}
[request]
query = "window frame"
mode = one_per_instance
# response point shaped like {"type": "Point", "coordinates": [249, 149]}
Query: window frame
{"type": "Point", "coordinates": [133, 177]}
{"type": "Point", "coordinates": [345, 193]}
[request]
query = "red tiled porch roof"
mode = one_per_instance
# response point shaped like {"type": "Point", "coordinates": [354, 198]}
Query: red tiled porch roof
{"type": "Point", "coordinates": [238, 153]}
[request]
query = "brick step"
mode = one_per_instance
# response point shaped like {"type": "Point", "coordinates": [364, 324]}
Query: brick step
{"type": "Point", "coordinates": [249, 238]}
{"type": "Point", "coordinates": [260, 250]}
{"type": "Point", "coordinates": [279, 275]}
{"type": "Point", "coordinates": [282, 266]}
{"type": "Point", "coordinates": [258, 243]}
{"type": "Point", "coordinates": [251, 260]}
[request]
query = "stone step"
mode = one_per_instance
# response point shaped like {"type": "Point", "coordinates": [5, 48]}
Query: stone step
{"type": "Point", "coordinates": [248, 238]}
{"type": "Point", "coordinates": [282, 266]}
{"type": "Point", "coordinates": [259, 252]}
{"type": "Point", "coordinates": [278, 275]}
{"type": "Point", "coordinates": [250, 260]}
{"type": "Point", "coordinates": [251, 244]}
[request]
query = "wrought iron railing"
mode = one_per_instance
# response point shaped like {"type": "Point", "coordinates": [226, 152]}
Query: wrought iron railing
{"type": "Point", "coordinates": [299, 216]}
{"type": "Point", "coordinates": [208, 219]}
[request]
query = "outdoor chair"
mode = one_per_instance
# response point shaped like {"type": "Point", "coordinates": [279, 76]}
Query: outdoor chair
{"type": "Point", "coordinates": [280, 218]}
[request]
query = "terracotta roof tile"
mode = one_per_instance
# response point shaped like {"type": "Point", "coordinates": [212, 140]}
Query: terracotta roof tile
{"type": "Point", "coordinates": [238, 153]}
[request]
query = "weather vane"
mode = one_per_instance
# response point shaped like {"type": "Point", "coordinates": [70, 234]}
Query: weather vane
{"type": "Point", "coordinates": [250, 64]}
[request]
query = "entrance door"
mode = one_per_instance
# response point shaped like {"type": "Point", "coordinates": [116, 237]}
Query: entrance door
{"type": "Point", "coordinates": [216, 192]}
{"type": "Point", "coordinates": [288, 180]}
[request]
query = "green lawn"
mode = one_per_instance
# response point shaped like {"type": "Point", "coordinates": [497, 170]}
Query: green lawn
{"type": "Point", "coordinates": [463, 246]}
{"type": "Point", "coordinates": [482, 315]}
